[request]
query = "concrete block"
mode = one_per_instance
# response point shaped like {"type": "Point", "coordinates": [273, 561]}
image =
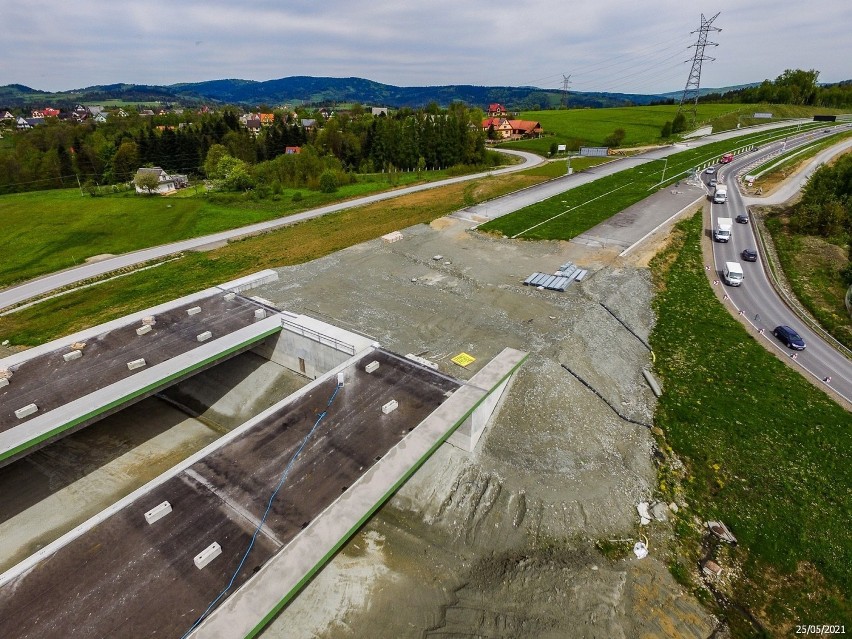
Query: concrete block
{"type": "Point", "coordinates": [390, 406]}
{"type": "Point", "coordinates": [158, 512]}
{"type": "Point", "coordinates": [207, 555]}
{"type": "Point", "coordinates": [4, 382]}
{"type": "Point", "coordinates": [371, 367]}
{"type": "Point", "coordinates": [203, 337]}
{"type": "Point", "coordinates": [195, 310]}
{"type": "Point", "coordinates": [260, 314]}
{"type": "Point", "coordinates": [72, 355]}
{"type": "Point", "coordinates": [229, 296]}
{"type": "Point", "coordinates": [142, 330]}
{"type": "Point", "coordinates": [150, 320]}
{"type": "Point", "coordinates": [26, 411]}
{"type": "Point", "coordinates": [136, 363]}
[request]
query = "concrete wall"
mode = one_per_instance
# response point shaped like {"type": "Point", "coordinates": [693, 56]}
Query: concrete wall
{"type": "Point", "coordinates": [467, 435]}
{"type": "Point", "coordinates": [311, 347]}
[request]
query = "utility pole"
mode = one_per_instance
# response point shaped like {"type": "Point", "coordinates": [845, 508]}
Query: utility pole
{"type": "Point", "coordinates": [693, 84]}
{"type": "Point", "coordinates": [564, 102]}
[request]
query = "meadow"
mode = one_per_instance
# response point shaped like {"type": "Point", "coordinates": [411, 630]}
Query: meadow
{"type": "Point", "coordinates": [641, 124]}
{"type": "Point", "coordinates": [47, 231]}
{"type": "Point", "coordinates": [763, 450]}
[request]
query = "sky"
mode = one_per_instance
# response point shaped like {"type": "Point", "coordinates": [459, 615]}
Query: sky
{"type": "Point", "coordinates": [602, 45]}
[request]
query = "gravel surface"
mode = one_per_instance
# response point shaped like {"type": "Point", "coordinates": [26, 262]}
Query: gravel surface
{"type": "Point", "coordinates": [500, 542]}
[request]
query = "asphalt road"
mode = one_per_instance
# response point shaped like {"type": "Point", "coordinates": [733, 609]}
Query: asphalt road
{"type": "Point", "coordinates": [501, 206]}
{"type": "Point", "coordinates": [54, 281]}
{"type": "Point", "coordinates": [756, 298]}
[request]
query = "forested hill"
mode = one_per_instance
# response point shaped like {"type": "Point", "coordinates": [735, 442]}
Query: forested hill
{"type": "Point", "coordinates": [317, 90]}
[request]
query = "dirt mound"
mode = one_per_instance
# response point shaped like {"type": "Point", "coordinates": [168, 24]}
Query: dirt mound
{"type": "Point", "coordinates": [500, 542]}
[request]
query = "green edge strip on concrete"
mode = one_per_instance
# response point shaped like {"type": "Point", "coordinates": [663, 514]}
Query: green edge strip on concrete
{"type": "Point", "coordinates": [59, 429]}
{"type": "Point", "coordinates": [310, 574]}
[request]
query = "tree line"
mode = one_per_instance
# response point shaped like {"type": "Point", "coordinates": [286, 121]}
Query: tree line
{"type": "Point", "coordinates": [62, 154]}
{"type": "Point", "coordinates": [825, 209]}
{"type": "Point", "coordinates": [794, 86]}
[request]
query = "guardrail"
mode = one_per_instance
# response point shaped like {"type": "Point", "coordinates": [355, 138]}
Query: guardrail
{"type": "Point", "coordinates": [772, 268]}
{"type": "Point", "coordinates": [316, 336]}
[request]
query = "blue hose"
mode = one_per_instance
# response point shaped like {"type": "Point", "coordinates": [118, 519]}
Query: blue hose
{"type": "Point", "coordinates": [281, 481]}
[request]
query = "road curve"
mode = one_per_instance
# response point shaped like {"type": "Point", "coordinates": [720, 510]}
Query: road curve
{"type": "Point", "coordinates": [757, 300]}
{"type": "Point", "coordinates": [500, 206]}
{"type": "Point", "coordinates": [34, 288]}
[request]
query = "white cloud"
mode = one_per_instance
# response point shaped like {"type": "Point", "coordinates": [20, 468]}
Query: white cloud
{"type": "Point", "coordinates": [615, 45]}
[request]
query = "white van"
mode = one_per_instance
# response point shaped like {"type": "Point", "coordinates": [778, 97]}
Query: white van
{"type": "Point", "coordinates": [733, 273]}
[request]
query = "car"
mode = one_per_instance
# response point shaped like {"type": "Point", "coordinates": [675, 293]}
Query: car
{"type": "Point", "coordinates": [749, 255]}
{"type": "Point", "coordinates": [742, 218]}
{"type": "Point", "coordinates": [712, 182]}
{"type": "Point", "coordinates": [710, 170]}
{"type": "Point", "coordinates": [789, 338]}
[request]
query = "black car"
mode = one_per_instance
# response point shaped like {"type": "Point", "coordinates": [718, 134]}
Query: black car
{"type": "Point", "coordinates": [742, 218]}
{"type": "Point", "coordinates": [789, 338]}
{"type": "Point", "coordinates": [749, 255]}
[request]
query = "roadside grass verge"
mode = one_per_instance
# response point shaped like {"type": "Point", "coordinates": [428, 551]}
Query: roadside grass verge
{"type": "Point", "coordinates": [294, 244]}
{"type": "Point", "coordinates": [764, 451]}
{"type": "Point", "coordinates": [780, 167]}
{"type": "Point", "coordinates": [47, 231]}
{"type": "Point", "coordinates": [812, 267]}
{"type": "Point", "coordinates": [568, 214]}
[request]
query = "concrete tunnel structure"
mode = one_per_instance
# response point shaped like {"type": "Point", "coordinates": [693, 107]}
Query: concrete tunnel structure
{"type": "Point", "coordinates": [152, 563]}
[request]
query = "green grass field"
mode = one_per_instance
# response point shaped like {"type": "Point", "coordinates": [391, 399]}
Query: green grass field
{"type": "Point", "coordinates": [642, 124]}
{"type": "Point", "coordinates": [764, 450]}
{"type": "Point", "coordinates": [567, 215]}
{"type": "Point", "coordinates": [47, 231]}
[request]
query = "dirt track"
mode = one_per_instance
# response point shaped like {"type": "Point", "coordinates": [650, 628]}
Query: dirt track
{"type": "Point", "coordinates": [500, 543]}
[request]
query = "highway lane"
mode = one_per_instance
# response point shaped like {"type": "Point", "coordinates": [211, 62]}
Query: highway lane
{"type": "Point", "coordinates": [756, 298]}
{"type": "Point", "coordinates": [501, 206]}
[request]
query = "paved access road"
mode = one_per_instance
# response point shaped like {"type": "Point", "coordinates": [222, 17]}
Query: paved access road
{"type": "Point", "coordinates": [54, 281]}
{"type": "Point", "coordinates": [756, 298]}
{"type": "Point", "coordinates": [494, 208]}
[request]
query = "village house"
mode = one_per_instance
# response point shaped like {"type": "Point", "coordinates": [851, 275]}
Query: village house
{"type": "Point", "coordinates": [497, 110]}
{"type": "Point", "coordinates": [502, 128]}
{"type": "Point", "coordinates": [165, 183]}
{"type": "Point", "coordinates": [512, 129]}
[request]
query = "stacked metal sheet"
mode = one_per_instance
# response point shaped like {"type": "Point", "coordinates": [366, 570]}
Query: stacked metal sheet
{"type": "Point", "coordinates": [559, 281]}
{"type": "Point", "coordinates": [548, 281]}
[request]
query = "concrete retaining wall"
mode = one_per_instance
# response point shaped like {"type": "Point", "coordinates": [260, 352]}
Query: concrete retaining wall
{"type": "Point", "coordinates": [311, 347]}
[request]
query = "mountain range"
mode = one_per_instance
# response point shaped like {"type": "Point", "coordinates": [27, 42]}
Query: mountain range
{"type": "Point", "coordinates": [317, 90]}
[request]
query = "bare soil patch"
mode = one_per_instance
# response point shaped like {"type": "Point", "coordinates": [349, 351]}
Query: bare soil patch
{"type": "Point", "coordinates": [500, 543]}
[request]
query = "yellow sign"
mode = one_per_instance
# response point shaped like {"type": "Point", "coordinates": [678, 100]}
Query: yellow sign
{"type": "Point", "coordinates": [463, 359]}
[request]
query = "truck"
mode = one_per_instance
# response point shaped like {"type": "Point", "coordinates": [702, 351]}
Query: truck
{"type": "Point", "coordinates": [722, 232]}
{"type": "Point", "coordinates": [728, 157]}
{"type": "Point", "coordinates": [733, 273]}
{"type": "Point", "coordinates": [720, 196]}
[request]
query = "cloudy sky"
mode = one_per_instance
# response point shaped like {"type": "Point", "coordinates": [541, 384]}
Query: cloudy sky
{"type": "Point", "coordinates": [604, 45]}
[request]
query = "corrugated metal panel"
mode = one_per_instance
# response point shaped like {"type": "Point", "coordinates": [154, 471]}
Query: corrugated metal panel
{"type": "Point", "coordinates": [580, 275]}
{"type": "Point", "coordinates": [594, 151]}
{"type": "Point", "coordinates": [529, 280]}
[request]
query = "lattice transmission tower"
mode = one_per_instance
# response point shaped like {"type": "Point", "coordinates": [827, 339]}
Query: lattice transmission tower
{"type": "Point", "coordinates": [693, 84]}
{"type": "Point", "coordinates": [564, 101]}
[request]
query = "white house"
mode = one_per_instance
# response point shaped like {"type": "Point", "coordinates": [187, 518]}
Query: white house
{"type": "Point", "coordinates": [166, 183]}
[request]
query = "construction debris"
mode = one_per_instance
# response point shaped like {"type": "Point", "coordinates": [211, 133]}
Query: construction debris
{"type": "Point", "coordinates": [721, 531]}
